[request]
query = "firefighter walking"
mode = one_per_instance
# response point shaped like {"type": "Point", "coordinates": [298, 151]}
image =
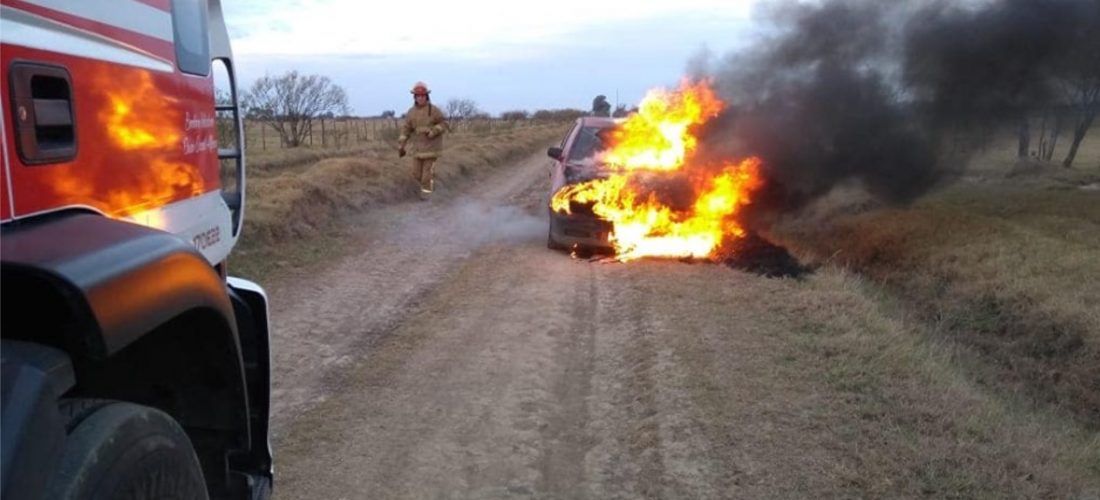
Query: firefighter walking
{"type": "Point", "coordinates": [424, 127]}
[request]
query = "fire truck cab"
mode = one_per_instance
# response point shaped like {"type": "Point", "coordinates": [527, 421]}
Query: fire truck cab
{"type": "Point", "coordinates": [133, 366]}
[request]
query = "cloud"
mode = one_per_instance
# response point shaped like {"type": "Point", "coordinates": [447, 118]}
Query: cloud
{"type": "Point", "coordinates": [467, 30]}
{"type": "Point", "coordinates": [577, 52]}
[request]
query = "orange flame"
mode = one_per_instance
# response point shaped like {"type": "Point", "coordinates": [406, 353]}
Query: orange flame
{"type": "Point", "coordinates": [142, 120]}
{"type": "Point", "coordinates": [657, 144]}
{"type": "Point", "coordinates": [139, 115]}
{"type": "Point", "coordinates": [658, 136]}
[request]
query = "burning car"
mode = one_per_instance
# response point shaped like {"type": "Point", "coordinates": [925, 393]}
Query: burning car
{"type": "Point", "coordinates": [577, 160]}
{"type": "Point", "coordinates": [639, 188]}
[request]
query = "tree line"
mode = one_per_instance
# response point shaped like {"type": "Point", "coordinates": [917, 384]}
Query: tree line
{"type": "Point", "coordinates": [292, 102]}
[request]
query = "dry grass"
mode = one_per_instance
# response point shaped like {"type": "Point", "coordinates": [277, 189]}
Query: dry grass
{"type": "Point", "coordinates": [1006, 268]}
{"type": "Point", "coordinates": [963, 332]}
{"type": "Point", "coordinates": [830, 387]}
{"type": "Point", "coordinates": [295, 200]}
{"type": "Point", "coordinates": [345, 138]}
{"type": "Point", "coordinates": [901, 415]}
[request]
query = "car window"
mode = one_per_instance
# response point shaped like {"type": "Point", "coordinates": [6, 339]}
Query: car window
{"type": "Point", "coordinates": [570, 134]}
{"type": "Point", "coordinates": [589, 141]}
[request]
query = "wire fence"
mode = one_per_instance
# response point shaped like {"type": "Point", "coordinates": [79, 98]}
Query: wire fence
{"type": "Point", "coordinates": [350, 132]}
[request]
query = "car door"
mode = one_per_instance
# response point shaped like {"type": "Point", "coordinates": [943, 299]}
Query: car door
{"type": "Point", "coordinates": [557, 166]}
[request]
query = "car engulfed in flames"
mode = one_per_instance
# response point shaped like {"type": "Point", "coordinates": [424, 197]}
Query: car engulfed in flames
{"type": "Point", "coordinates": [649, 188]}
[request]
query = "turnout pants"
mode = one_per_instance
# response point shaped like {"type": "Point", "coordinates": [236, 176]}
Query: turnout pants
{"type": "Point", "coordinates": [422, 172]}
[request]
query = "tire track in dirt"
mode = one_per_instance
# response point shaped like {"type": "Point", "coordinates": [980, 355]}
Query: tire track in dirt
{"type": "Point", "coordinates": [476, 393]}
{"type": "Point", "coordinates": [566, 440]}
{"type": "Point", "coordinates": [653, 444]}
{"type": "Point", "coordinates": [643, 434]}
{"type": "Point", "coordinates": [626, 460]}
{"type": "Point", "coordinates": [691, 469]}
{"type": "Point", "coordinates": [326, 323]}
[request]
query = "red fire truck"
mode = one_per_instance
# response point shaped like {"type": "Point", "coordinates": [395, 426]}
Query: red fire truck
{"type": "Point", "coordinates": [133, 365]}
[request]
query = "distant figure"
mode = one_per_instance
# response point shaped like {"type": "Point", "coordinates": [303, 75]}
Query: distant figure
{"type": "Point", "coordinates": [424, 124]}
{"type": "Point", "coordinates": [600, 106]}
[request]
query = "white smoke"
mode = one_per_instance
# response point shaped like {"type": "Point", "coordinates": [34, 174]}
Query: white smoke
{"type": "Point", "coordinates": [487, 225]}
{"type": "Point", "coordinates": [469, 225]}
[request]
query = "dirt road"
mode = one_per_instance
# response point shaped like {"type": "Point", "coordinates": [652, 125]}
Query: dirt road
{"type": "Point", "coordinates": [453, 356]}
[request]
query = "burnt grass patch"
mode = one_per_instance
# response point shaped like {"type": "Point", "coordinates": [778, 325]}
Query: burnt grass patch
{"type": "Point", "coordinates": [754, 254]}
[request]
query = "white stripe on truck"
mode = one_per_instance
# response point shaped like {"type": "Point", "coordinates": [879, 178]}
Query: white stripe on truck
{"type": "Point", "coordinates": [18, 27]}
{"type": "Point", "coordinates": [123, 14]}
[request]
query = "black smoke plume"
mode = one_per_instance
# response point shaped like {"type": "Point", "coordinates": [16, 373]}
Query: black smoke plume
{"type": "Point", "coordinates": [880, 92]}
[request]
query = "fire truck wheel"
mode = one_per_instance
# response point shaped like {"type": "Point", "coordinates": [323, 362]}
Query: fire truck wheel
{"type": "Point", "coordinates": [126, 451]}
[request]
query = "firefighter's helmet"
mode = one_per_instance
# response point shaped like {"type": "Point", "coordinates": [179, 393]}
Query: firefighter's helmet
{"type": "Point", "coordinates": [420, 88]}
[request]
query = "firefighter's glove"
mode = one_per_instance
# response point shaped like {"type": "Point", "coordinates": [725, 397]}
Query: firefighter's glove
{"type": "Point", "coordinates": [401, 152]}
{"type": "Point", "coordinates": [431, 133]}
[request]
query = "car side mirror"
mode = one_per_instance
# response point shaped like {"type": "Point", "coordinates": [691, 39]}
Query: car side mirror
{"type": "Point", "coordinates": [554, 152]}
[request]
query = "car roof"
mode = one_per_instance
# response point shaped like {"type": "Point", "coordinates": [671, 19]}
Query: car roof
{"type": "Point", "coordinates": [599, 121]}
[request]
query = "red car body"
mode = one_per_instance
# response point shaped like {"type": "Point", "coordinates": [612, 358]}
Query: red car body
{"type": "Point", "coordinates": [577, 160]}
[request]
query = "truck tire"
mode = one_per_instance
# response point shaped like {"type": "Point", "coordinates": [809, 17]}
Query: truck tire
{"type": "Point", "coordinates": [76, 410]}
{"type": "Point", "coordinates": [118, 450]}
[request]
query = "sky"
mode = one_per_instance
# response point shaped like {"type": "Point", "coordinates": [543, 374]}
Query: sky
{"type": "Point", "coordinates": [502, 55]}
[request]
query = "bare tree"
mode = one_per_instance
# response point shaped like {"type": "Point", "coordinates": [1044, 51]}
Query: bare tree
{"type": "Point", "coordinates": [224, 119]}
{"type": "Point", "coordinates": [1023, 134]}
{"type": "Point", "coordinates": [1082, 90]}
{"type": "Point", "coordinates": [461, 109]}
{"type": "Point", "coordinates": [291, 102]}
{"type": "Point", "coordinates": [1079, 78]}
{"type": "Point", "coordinates": [1048, 137]}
